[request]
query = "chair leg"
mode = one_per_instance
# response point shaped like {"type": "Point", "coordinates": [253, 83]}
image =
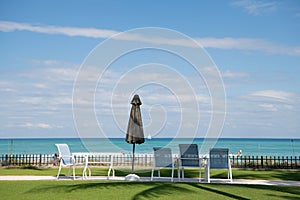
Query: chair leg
{"type": "Point", "coordinates": [108, 173]}
{"type": "Point", "coordinates": [113, 172]}
{"type": "Point", "coordinates": [58, 171]}
{"type": "Point", "coordinates": [208, 175]}
{"type": "Point", "coordinates": [69, 172]}
{"type": "Point", "coordinates": [172, 173]}
{"type": "Point", "coordinates": [228, 174]}
{"type": "Point", "coordinates": [73, 172]}
{"type": "Point", "coordinates": [90, 173]}
{"type": "Point", "coordinates": [152, 173]}
{"type": "Point", "coordinates": [229, 171]}
{"type": "Point", "coordinates": [84, 176]}
{"type": "Point", "coordinates": [112, 165]}
{"type": "Point", "coordinates": [200, 174]}
{"type": "Point", "coordinates": [84, 173]}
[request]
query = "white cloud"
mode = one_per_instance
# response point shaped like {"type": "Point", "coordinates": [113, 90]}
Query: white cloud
{"type": "Point", "coordinates": [62, 74]}
{"type": "Point", "coordinates": [273, 95]}
{"type": "Point", "coordinates": [7, 90]}
{"type": "Point", "coordinates": [219, 43]}
{"type": "Point", "coordinates": [269, 107]}
{"type": "Point", "coordinates": [44, 93]}
{"type": "Point", "coordinates": [233, 75]}
{"type": "Point", "coordinates": [7, 87]}
{"type": "Point", "coordinates": [31, 100]}
{"type": "Point", "coordinates": [256, 8]}
{"type": "Point", "coordinates": [39, 85]}
{"type": "Point", "coordinates": [39, 125]}
{"type": "Point", "coordinates": [53, 70]}
{"type": "Point", "coordinates": [253, 44]}
{"type": "Point", "coordinates": [8, 26]}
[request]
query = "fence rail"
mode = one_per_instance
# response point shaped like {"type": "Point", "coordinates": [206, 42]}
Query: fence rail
{"type": "Point", "coordinates": [146, 160]}
{"type": "Point", "coordinates": [275, 162]}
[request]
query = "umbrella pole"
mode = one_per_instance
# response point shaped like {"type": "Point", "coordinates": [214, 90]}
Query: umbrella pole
{"type": "Point", "coordinates": [133, 150]}
{"type": "Point", "coordinates": [132, 176]}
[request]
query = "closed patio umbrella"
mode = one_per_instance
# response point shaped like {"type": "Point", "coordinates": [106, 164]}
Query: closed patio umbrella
{"type": "Point", "coordinates": [135, 133]}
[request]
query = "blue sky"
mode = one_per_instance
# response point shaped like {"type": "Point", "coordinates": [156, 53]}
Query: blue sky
{"type": "Point", "coordinates": [254, 44]}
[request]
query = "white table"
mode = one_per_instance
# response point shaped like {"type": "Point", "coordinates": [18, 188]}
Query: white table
{"type": "Point", "coordinates": [87, 160]}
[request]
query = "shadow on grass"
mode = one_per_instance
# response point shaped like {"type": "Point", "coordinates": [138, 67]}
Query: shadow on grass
{"type": "Point", "coordinates": [24, 167]}
{"type": "Point", "coordinates": [277, 192]}
{"type": "Point", "coordinates": [259, 174]}
{"type": "Point", "coordinates": [154, 190]}
{"type": "Point", "coordinates": [159, 190]}
{"type": "Point", "coordinates": [287, 175]}
{"type": "Point", "coordinates": [136, 190]}
{"type": "Point", "coordinates": [285, 189]}
{"type": "Point", "coordinates": [203, 187]}
{"type": "Point", "coordinates": [283, 197]}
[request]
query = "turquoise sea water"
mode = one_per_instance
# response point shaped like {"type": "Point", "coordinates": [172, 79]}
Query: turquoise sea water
{"type": "Point", "coordinates": [253, 147]}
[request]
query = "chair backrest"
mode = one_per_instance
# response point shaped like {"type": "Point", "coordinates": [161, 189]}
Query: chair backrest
{"type": "Point", "coordinates": [218, 158]}
{"type": "Point", "coordinates": [189, 155]}
{"type": "Point", "coordinates": [64, 153]}
{"type": "Point", "coordinates": [163, 157]}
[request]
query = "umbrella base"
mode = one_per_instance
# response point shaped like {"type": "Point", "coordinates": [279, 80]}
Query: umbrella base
{"type": "Point", "coordinates": [132, 177]}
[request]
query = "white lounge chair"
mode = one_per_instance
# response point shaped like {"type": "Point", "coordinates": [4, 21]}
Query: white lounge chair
{"type": "Point", "coordinates": [66, 159]}
{"type": "Point", "coordinates": [162, 159]}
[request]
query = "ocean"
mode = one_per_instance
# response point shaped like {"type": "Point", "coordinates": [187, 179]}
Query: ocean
{"type": "Point", "coordinates": [249, 147]}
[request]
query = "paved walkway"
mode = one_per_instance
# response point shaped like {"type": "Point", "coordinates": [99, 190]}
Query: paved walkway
{"type": "Point", "coordinates": [189, 180]}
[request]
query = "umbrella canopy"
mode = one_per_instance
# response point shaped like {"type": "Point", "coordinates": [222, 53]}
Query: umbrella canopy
{"type": "Point", "coordinates": [135, 133]}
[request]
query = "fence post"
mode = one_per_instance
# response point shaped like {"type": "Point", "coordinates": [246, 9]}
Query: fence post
{"type": "Point", "coordinates": [40, 163]}
{"type": "Point", "coordinates": [6, 159]}
{"type": "Point", "coordinates": [12, 158]}
{"type": "Point", "coordinates": [257, 166]}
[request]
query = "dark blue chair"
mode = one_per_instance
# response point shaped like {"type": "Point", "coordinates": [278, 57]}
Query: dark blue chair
{"type": "Point", "coordinates": [189, 158]}
{"type": "Point", "coordinates": [218, 159]}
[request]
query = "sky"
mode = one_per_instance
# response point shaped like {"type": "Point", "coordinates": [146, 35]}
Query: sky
{"type": "Point", "coordinates": [253, 47]}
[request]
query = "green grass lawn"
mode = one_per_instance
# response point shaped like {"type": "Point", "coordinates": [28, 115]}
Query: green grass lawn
{"type": "Point", "coordinates": [140, 190]}
{"type": "Point", "coordinates": [88, 189]}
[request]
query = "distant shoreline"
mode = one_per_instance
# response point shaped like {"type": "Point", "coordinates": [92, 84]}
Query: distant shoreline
{"type": "Point", "coordinates": [249, 146]}
{"type": "Point", "coordinates": [222, 138]}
